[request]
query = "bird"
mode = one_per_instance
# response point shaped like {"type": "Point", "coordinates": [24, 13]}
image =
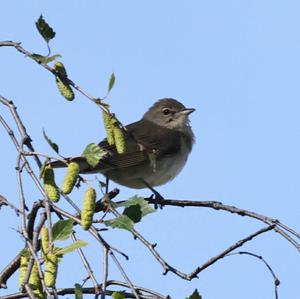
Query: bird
{"type": "Point", "coordinates": [157, 148]}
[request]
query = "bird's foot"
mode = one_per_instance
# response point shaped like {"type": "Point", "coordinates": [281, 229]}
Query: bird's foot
{"type": "Point", "coordinates": [157, 199]}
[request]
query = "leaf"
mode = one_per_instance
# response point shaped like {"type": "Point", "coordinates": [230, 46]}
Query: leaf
{"type": "Point", "coordinates": [44, 59]}
{"type": "Point", "coordinates": [195, 295]}
{"type": "Point", "coordinates": [93, 154]}
{"type": "Point", "coordinates": [111, 82]}
{"type": "Point", "coordinates": [62, 230]}
{"type": "Point", "coordinates": [70, 248]}
{"type": "Point", "coordinates": [44, 29]}
{"type": "Point", "coordinates": [53, 145]}
{"type": "Point", "coordinates": [137, 200]}
{"type": "Point", "coordinates": [134, 213]}
{"type": "Point", "coordinates": [122, 221]}
{"type": "Point", "coordinates": [118, 295]}
{"type": "Point", "coordinates": [78, 291]}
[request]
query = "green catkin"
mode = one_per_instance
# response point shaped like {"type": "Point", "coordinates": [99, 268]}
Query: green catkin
{"type": "Point", "coordinates": [88, 208]}
{"type": "Point", "coordinates": [61, 82]}
{"type": "Point", "coordinates": [51, 269]}
{"type": "Point", "coordinates": [70, 178]}
{"type": "Point", "coordinates": [45, 240]}
{"type": "Point", "coordinates": [60, 68]}
{"type": "Point", "coordinates": [23, 269]}
{"type": "Point", "coordinates": [35, 282]}
{"type": "Point", "coordinates": [108, 123]}
{"type": "Point", "coordinates": [50, 187]}
{"type": "Point", "coordinates": [119, 140]}
{"type": "Point", "coordinates": [65, 89]}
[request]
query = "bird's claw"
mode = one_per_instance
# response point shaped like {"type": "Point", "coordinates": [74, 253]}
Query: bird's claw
{"type": "Point", "coordinates": [158, 200]}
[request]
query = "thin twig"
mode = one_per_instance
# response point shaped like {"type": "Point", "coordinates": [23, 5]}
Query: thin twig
{"type": "Point", "coordinates": [26, 138]}
{"type": "Point", "coordinates": [105, 272]}
{"type": "Point", "coordinates": [19, 48]}
{"type": "Point", "coordinates": [86, 265]}
{"type": "Point", "coordinates": [31, 174]}
{"type": "Point", "coordinates": [122, 271]}
{"type": "Point", "coordinates": [5, 202]}
{"type": "Point", "coordinates": [228, 250]}
{"type": "Point", "coordinates": [276, 280]}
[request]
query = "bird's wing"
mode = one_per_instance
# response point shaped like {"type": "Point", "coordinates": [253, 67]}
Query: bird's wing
{"type": "Point", "coordinates": [141, 141]}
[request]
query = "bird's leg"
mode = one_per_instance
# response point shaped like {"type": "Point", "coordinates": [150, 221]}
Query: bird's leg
{"type": "Point", "coordinates": [106, 184]}
{"type": "Point", "coordinates": [158, 198]}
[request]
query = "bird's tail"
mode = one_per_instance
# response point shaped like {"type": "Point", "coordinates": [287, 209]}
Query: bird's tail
{"type": "Point", "coordinates": [83, 164]}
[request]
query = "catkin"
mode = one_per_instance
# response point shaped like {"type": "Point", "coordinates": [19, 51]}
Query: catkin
{"type": "Point", "coordinates": [50, 187]}
{"type": "Point", "coordinates": [119, 140]}
{"type": "Point", "coordinates": [70, 178]}
{"type": "Point", "coordinates": [60, 68]}
{"type": "Point", "coordinates": [45, 240]}
{"type": "Point", "coordinates": [51, 269]}
{"type": "Point", "coordinates": [35, 282]}
{"type": "Point", "coordinates": [61, 82]}
{"type": "Point", "coordinates": [65, 89]}
{"type": "Point", "coordinates": [88, 208]}
{"type": "Point", "coordinates": [108, 123]}
{"type": "Point", "coordinates": [23, 269]}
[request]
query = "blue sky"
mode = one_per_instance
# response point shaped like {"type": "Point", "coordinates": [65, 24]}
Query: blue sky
{"type": "Point", "coordinates": [236, 62]}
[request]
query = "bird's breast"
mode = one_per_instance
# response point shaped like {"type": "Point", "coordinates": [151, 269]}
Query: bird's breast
{"type": "Point", "coordinates": [168, 166]}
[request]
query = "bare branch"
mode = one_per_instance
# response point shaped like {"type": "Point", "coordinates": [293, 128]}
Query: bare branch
{"type": "Point", "coordinates": [105, 271]}
{"type": "Point", "coordinates": [276, 280]}
{"type": "Point", "coordinates": [234, 210]}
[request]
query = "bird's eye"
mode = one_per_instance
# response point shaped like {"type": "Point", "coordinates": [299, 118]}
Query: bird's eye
{"type": "Point", "coordinates": [166, 111]}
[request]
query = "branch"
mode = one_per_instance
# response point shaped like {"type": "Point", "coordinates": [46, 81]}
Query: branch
{"type": "Point", "coordinates": [228, 250]}
{"type": "Point", "coordinates": [276, 280]}
{"type": "Point", "coordinates": [18, 47]}
{"type": "Point", "coordinates": [5, 202]}
{"type": "Point", "coordinates": [280, 228]}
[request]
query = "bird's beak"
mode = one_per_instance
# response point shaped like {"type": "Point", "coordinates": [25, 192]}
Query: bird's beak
{"type": "Point", "coordinates": [187, 111]}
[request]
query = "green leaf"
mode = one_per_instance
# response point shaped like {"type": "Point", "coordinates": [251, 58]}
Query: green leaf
{"type": "Point", "coordinates": [44, 59]}
{"type": "Point", "coordinates": [62, 230]}
{"type": "Point", "coordinates": [195, 295]}
{"type": "Point", "coordinates": [137, 200]}
{"type": "Point", "coordinates": [111, 82]}
{"type": "Point", "coordinates": [118, 295]}
{"type": "Point", "coordinates": [121, 221]}
{"type": "Point", "coordinates": [93, 154]}
{"type": "Point", "coordinates": [134, 213]}
{"type": "Point", "coordinates": [44, 29]}
{"type": "Point", "coordinates": [70, 248]}
{"type": "Point", "coordinates": [53, 145]}
{"type": "Point", "coordinates": [78, 291]}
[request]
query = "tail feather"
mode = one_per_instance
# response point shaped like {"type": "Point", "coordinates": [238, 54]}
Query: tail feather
{"type": "Point", "coordinates": [83, 164]}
